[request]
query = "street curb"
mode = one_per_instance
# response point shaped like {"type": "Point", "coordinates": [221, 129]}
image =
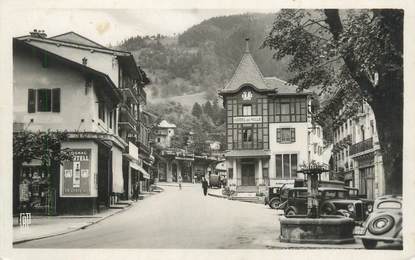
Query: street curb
{"type": "Point", "coordinates": [218, 196]}
{"type": "Point", "coordinates": [73, 230]}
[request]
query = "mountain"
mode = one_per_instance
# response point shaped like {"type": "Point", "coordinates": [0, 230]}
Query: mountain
{"type": "Point", "coordinates": [203, 58]}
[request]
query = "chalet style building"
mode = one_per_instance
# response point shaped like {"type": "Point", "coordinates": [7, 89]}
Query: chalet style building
{"type": "Point", "coordinates": [70, 83]}
{"type": "Point", "coordinates": [269, 130]}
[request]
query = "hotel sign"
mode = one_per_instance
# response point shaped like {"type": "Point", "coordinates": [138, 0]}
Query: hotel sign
{"type": "Point", "coordinates": [247, 119]}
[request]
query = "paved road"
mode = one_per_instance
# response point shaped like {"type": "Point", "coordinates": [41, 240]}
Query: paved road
{"type": "Point", "coordinates": [177, 219]}
{"type": "Point", "coordinates": [184, 219]}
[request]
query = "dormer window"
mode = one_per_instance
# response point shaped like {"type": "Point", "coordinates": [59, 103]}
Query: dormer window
{"type": "Point", "coordinates": [247, 110]}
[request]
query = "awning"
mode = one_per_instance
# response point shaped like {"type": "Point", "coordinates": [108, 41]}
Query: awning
{"type": "Point", "coordinates": [137, 167]}
{"type": "Point", "coordinates": [248, 153]}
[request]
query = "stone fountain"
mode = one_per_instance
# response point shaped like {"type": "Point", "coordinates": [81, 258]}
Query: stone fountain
{"type": "Point", "coordinates": [313, 228]}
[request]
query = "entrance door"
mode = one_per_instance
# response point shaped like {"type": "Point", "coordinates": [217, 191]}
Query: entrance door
{"type": "Point", "coordinates": [248, 175]}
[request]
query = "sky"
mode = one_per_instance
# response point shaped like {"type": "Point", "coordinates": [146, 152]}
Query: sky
{"type": "Point", "coordinates": [111, 26]}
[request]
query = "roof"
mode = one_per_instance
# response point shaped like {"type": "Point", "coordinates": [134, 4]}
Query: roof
{"type": "Point", "coordinates": [165, 124]}
{"type": "Point", "coordinates": [104, 77]}
{"type": "Point", "coordinates": [248, 73]}
{"type": "Point", "coordinates": [73, 37]}
{"type": "Point", "coordinates": [76, 40]}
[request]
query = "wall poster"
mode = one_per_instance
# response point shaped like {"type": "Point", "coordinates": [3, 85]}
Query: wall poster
{"type": "Point", "coordinates": [77, 174]}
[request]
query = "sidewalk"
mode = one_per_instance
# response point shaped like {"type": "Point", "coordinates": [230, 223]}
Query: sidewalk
{"type": "Point", "coordinates": [50, 226]}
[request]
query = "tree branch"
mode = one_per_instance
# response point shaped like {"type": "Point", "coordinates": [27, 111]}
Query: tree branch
{"type": "Point", "coordinates": [336, 29]}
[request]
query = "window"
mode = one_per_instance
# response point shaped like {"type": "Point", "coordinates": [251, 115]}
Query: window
{"type": "Point", "coordinates": [290, 109]}
{"type": "Point", "coordinates": [111, 117]}
{"type": "Point", "coordinates": [44, 100]}
{"type": "Point", "coordinates": [230, 172]}
{"type": "Point", "coordinates": [285, 135]}
{"type": "Point", "coordinates": [101, 111]}
{"type": "Point", "coordinates": [247, 110]}
{"type": "Point", "coordinates": [286, 166]}
{"type": "Point", "coordinates": [247, 134]}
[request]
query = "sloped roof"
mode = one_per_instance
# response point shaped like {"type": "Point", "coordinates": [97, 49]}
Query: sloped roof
{"type": "Point", "coordinates": [247, 72]}
{"type": "Point", "coordinates": [165, 124]}
{"type": "Point", "coordinates": [73, 37]}
{"type": "Point", "coordinates": [281, 86]}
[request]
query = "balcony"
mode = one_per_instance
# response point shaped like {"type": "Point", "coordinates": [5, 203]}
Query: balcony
{"type": "Point", "coordinates": [127, 119]}
{"type": "Point", "coordinates": [361, 147]}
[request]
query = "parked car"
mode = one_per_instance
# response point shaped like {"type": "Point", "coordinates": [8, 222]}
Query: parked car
{"type": "Point", "coordinates": [383, 224]}
{"type": "Point", "coordinates": [276, 196]}
{"type": "Point", "coordinates": [332, 201]}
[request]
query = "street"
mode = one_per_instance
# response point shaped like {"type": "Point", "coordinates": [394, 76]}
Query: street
{"type": "Point", "coordinates": [177, 219]}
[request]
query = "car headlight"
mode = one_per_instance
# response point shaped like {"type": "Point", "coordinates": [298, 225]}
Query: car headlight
{"type": "Point", "coordinates": [370, 208]}
{"type": "Point", "coordinates": [350, 207]}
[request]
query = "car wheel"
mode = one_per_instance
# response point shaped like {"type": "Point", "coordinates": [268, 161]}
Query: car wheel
{"type": "Point", "coordinates": [381, 224]}
{"type": "Point", "coordinates": [369, 244]}
{"type": "Point", "coordinates": [290, 212]}
{"type": "Point", "coordinates": [274, 203]}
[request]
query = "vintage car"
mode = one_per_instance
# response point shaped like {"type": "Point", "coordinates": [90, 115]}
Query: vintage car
{"type": "Point", "coordinates": [332, 201]}
{"type": "Point", "coordinates": [383, 224]}
{"type": "Point", "coordinates": [276, 196]}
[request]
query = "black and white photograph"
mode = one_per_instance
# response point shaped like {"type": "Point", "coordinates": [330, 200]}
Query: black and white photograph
{"type": "Point", "coordinates": [209, 128]}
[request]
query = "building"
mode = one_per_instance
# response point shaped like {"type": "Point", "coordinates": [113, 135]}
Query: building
{"type": "Point", "coordinates": [357, 158]}
{"type": "Point", "coordinates": [269, 130]}
{"type": "Point", "coordinates": [70, 83]}
{"type": "Point", "coordinates": [164, 133]}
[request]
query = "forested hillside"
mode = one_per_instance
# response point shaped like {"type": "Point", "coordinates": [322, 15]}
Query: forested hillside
{"type": "Point", "coordinates": [203, 58]}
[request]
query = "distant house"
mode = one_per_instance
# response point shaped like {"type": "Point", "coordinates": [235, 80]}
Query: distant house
{"type": "Point", "coordinates": [164, 133]}
{"type": "Point", "coordinates": [269, 130]}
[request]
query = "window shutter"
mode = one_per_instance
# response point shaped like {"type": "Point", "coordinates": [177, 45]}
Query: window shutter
{"type": "Point", "coordinates": [31, 103]}
{"type": "Point", "coordinates": [56, 100]}
{"type": "Point", "coordinates": [278, 135]}
{"type": "Point", "coordinates": [292, 135]}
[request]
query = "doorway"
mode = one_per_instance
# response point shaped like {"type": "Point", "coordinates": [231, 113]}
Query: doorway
{"type": "Point", "coordinates": [248, 174]}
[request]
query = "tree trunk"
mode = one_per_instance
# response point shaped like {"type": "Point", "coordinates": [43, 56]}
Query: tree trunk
{"type": "Point", "coordinates": [387, 106]}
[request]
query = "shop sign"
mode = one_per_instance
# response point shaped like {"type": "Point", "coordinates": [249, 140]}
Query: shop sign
{"type": "Point", "coordinates": [77, 174]}
{"type": "Point", "coordinates": [247, 119]}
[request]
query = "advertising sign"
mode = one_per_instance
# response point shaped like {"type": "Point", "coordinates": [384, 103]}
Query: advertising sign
{"type": "Point", "coordinates": [76, 174]}
{"type": "Point", "coordinates": [247, 119]}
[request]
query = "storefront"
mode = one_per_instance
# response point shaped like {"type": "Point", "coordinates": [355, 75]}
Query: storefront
{"type": "Point", "coordinates": [37, 192]}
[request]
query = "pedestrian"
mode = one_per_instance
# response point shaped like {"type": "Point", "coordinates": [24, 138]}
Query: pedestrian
{"type": "Point", "coordinates": [204, 185]}
{"type": "Point", "coordinates": [135, 191]}
{"type": "Point", "coordinates": [179, 179]}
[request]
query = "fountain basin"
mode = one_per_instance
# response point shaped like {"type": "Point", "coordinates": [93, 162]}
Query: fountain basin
{"type": "Point", "coordinates": [323, 230]}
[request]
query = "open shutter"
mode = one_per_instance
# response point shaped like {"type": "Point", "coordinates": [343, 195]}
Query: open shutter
{"type": "Point", "coordinates": [278, 135]}
{"type": "Point", "coordinates": [292, 135]}
{"type": "Point", "coordinates": [56, 100]}
{"type": "Point", "coordinates": [31, 103]}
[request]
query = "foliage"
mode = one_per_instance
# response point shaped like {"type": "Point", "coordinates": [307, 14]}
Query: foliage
{"type": "Point", "coordinates": [204, 57]}
{"type": "Point", "coordinates": [351, 55]}
{"type": "Point", "coordinates": [44, 146]}
{"type": "Point", "coordinates": [197, 110]}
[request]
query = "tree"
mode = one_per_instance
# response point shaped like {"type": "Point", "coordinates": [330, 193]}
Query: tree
{"type": "Point", "coordinates": [197, 110]}
{"type": "Point", "coordinates": [207, 108]}
{"type": "Point", "coordinates": [362, 52]}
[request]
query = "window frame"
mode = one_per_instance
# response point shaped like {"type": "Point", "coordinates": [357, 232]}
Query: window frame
{"type": "Point", "coordinates": [244, 106]}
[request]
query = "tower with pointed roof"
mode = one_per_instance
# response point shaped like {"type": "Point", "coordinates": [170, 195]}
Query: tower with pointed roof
{"type": "Point", "coordinates": [267, 128]}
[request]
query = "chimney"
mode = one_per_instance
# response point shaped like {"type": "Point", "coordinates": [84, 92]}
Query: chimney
{"type": "Point", "coordinates": [247, 45]}
{"type": "Point", "coordinates": [38, 34]}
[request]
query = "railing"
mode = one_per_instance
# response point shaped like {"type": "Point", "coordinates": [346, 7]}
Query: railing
{"type": "Point", "coordinates": [361, 146]}
{"type": "Point", "coordinates": [127, 116]}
